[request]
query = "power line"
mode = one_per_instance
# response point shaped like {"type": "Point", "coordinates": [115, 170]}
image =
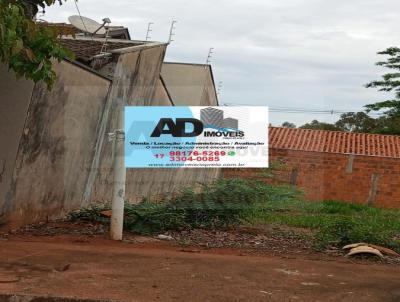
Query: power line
{"type": "Point", "coordinates": [302, 110]}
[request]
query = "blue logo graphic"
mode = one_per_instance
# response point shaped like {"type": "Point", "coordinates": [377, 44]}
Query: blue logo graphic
{"type": "Point", "coordinates": [144, 151]}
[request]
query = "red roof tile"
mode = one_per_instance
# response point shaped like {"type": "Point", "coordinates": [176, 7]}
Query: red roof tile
{"type": "Point", "coordinates": [335, 142]}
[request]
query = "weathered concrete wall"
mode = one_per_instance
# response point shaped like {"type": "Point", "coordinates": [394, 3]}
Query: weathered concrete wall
{"type": "Point", "coordinates": [161, 96]}
{"type": "Point", "coordinates": [58, 139]}
{"type": "Point", "coordinates": [190, 84]}
{"type": "Point", "coordinates": [137, 82]}
{"type": "Point", "coordinates": [15, 96]}
{"type": "Point", "coordinates": [57, 146]}
{"type": "Point", "coordinates": [209, 96]}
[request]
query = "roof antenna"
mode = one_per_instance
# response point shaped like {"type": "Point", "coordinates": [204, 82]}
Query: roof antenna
{"type": "Point", "coordinates": [149, 30]}
{"type": "Point", "coordinates": [210, 53]}
{"type": "Point", "coordinates": [219, 89]}
{"type": "Point", "coordinates": [106, 21]}
{"type": "Point", "coordinates": [172, 31]}
{"type": "Point", "coordinates": [89, 26]}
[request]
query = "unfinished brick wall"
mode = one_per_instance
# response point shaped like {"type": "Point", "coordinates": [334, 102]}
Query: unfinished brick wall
{"type": "Point", "coordinates": [329, 176]}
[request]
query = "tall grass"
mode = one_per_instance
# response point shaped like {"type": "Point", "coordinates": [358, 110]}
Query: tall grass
{"type": "Point", "coordinates": [222, 204]}
{"type": "Point", "coordinates": [335, 223]}
{"type": "Point", "coordinates": [230, 202]}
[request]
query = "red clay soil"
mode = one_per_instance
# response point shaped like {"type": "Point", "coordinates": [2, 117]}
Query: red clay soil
{"type": "Point", "coordinates": [96, 268]}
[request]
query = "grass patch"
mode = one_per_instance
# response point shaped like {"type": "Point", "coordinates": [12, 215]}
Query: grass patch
{"type": "Point", "coordinates": [223, 204]}
{"type": "Point", "coordinates": [335, 223]}
{"type": "Point", "coordinates": [231, 202]}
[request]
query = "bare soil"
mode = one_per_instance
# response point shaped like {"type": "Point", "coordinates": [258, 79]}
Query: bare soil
{"type": "Point", "coordinates": [81, 262]}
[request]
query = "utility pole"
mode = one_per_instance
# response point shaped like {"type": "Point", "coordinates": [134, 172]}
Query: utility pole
{"type": "Point", "coordinates": [118, 138]}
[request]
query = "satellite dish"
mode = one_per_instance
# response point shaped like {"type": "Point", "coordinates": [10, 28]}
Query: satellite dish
{"type": "Point", "coordinates": [88, 25]}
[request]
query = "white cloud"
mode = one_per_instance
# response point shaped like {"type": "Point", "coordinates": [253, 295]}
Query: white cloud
{"type": "Point", "coordinates": [294, 53]}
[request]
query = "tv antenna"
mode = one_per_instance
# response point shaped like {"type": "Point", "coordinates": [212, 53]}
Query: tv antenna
{"type": "Point", "coordinates": [172, 31]}
{"type": "Point", "coordinates": [92, 28]}
{"type": "Point", "coordinates": [210, 53]}
{"type": "Point", "coordinates": [89, 26]}
{"type": "Point", "coordinates": [219, 89]}
{"type": "Point", "coordinates": [149, 30]}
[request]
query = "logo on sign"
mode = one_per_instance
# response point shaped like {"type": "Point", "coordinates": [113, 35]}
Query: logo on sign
{"type": "Point", "coordinates": [210, 118]}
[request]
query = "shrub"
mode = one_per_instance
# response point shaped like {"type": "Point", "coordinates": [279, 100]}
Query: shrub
{"type": "Point", "coordinates": [222, 204]}
{"type": "Point", "coordinates": [346, 230]}
{"type": "Point", "coordinates": [344, 208]}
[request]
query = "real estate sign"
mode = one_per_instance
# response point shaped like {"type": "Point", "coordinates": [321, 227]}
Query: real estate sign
{"type": "Point", "coordinates": [196, 137]}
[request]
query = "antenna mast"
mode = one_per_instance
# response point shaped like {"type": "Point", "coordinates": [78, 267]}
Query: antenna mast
{"type": "Point", "coordinates": [210, 53]}
{"type": "Point", "coordinates": [172, 31]}
{"type": "Point", "coordinates": [219, 89]}
{"type": "Point", "coordinates": [149, 30]}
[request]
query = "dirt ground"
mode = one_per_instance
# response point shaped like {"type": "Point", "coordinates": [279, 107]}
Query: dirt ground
{"type": "Point", "coordinates": [143, 269]}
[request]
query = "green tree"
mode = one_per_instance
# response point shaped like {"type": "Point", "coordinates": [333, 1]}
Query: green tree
{"type": "Point", "coordinates": [288, 125]}
{"type": "Point", "coordinates": [357, 122]}
{"type": "Point", "coordinates": [317, 125]}
{"type": "Point", "coordinates": [25, 46]}
{"type": "Point", "coordinates": [388, 125]}
{"type": "Point", "coordinates": [390, 82]}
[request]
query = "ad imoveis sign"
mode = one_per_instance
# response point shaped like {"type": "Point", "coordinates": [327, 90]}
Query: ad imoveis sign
{"type": "Point", "coordinates": [196, 137]}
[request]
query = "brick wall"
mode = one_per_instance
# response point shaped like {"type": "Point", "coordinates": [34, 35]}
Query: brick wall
{"type": "Point", "coordinates": [328, 176]}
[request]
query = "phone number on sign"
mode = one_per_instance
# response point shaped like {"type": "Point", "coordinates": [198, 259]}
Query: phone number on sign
{"type": "Point", "coordinates": [204, 156]}
{"type": "Point", "coordinates": [191, 158]}
{"type": "Point", "coordinates": [197, 153]}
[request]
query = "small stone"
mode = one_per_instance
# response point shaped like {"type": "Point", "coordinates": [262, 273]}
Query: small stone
{"type": "Point", "coordinates": [309, 283]}
{"type": "Point", "coordinates": [165, 237]}
{"type": "Point", "coordinates": [63, 268]}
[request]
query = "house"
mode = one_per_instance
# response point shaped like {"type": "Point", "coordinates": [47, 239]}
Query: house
{"type": "Point", "coordinates": [55, 156]}
{"type": "Point", "coordinates": [332, 165]}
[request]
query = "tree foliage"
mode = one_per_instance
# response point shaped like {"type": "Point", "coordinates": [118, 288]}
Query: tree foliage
{"type": "Point", "coordinates": [359, 122]}
{"type": "Point", "coordinates": [317, 125]}
{"type": "Point", "coordinates": [288, 125]}
{"type": "Point", "coordinates": [26, 47]}
{"type": "Point", "coordinates": [390, 82]}
{"type": "Point", "coordinates": [31, 6]}
{"type": "Point", "coordinates": [356, 122]}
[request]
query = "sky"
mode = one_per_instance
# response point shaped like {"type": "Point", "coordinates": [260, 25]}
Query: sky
{"type": "Point", "coordinates": [313, 54]}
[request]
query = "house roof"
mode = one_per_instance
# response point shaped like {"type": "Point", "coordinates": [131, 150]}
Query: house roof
{"type": "Point", "coordinates": [65, 29]}
{"type": "Point", "coordinates": [335, 142]}
{"type": "Point", "coordinates": [85, 49]}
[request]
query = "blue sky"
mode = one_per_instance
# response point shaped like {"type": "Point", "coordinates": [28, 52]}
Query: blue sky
{"type": "Point", "coordinates": [314, 54]}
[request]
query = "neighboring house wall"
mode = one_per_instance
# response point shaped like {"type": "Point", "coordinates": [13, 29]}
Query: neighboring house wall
{"type": "Point", "coordinates": [57, 145]}
{"type": "Point", "coordinates": [190, 84]}
{"type": "Point", "coordinates": [367, 180]}
{"type": "Point", "coordinates": [135, 81]}
{"type": "Point", "coordinates": [14, 101]}
{"type": "Point", "coordinates": [161, 96]}
{"type": "Point", "coordinates": [141, 86]}
{"type": "Point", "coordinates": [58, 157]}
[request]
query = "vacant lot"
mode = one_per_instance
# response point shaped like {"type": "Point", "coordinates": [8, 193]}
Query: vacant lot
{"type": "Point", "coordinates": [236, 240]}
{"type": "Point", "coordinates": [232, 203]}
